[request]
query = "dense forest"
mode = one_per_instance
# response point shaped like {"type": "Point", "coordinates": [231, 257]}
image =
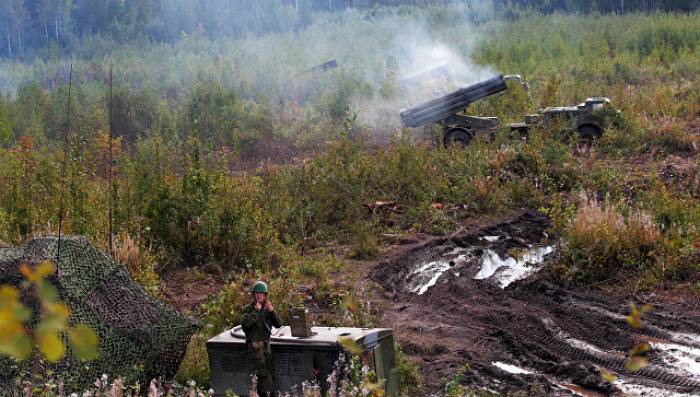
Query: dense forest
{"type": "Point", "coordinates": [30, 25]}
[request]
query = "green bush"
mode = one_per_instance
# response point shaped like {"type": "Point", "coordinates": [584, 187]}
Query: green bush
{"type": "Point", "coordinates": [367, 246]}
{"type": "Point", "coordinates": [408, 375]}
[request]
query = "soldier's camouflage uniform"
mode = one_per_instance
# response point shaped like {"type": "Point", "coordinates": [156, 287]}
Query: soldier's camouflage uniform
{"type": "Point", "coordinates": [257, 325]}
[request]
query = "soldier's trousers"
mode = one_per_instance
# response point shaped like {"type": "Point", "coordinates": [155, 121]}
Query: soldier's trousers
{"type": "Point", "coordinates": [263, 367]}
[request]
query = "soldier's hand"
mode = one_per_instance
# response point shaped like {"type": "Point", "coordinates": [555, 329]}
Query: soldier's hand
{"type": "Point", "coordinates": [258, 305]}
{"type": "Point", "coordinates": [268, 306]}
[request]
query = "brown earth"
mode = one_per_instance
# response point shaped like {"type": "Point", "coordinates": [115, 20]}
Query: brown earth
{"type": "Point", "coordinates": [564, 336]}
{"type": "Point", "coordinates": [187, 289]}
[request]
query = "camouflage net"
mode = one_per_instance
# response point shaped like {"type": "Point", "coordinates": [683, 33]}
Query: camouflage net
{"type": "Point", "coordinates": [140, 338]}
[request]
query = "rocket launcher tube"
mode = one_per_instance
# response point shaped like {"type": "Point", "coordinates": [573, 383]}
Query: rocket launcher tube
{"type": "Point", "coordinates": [441, 108]}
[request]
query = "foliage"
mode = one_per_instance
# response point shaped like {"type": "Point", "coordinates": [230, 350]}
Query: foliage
{"type": "Point", "coordinates": [359, 379]}
{"type": "Point", "coordinates": [195, 363]}
{"type": "Point", "coordinates": [637, 356]}
{"type": "Point", "coordinates": [602, 242]}
{"type": "Point", "coordinates": [408, 375]}
{"type": "Point", "coordinates": [367, 247]}
{"type": "Point", "coordinates": [455, 387]}
{"type": "Point", "coordinates": [139, 259]}
{"type": "Point", "coordinates": [193, 132]}
{"type": "Point", "coordinates": [18, 341]}
{"type": "Point", "coordinates": [6, 132]}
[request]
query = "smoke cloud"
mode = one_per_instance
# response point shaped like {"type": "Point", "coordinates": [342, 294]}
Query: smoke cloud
{"type": "Point", "coordinates": [388, 59]}
{"type": "Point", "coordinates": [426, 67]}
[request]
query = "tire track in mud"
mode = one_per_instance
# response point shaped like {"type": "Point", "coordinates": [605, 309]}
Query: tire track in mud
{"type": "Point", "coordinates": [559, 345]}
{"type": "Point", "coordinates": [565, 336]}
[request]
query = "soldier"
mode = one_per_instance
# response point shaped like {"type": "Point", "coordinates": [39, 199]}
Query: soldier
{"type": "Point", "coordinates": [257, 320]}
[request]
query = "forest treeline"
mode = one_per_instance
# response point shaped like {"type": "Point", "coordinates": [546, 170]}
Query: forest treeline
{"type": "Point", "coordinates": [28, 27]}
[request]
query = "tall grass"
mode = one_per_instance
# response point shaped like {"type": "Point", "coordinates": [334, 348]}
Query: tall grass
{"type": "Point", "coordinates": [139, 258]}
{"type": "Point", "coordinates": [602, 243]}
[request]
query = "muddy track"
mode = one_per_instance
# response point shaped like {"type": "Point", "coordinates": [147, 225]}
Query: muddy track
{"type": "Point", "coordinates": [448, 311]}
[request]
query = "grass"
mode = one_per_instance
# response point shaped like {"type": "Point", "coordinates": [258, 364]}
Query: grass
{"type": "Point", "coordinates": [601, 242]}
{"type": "Point", "coordinates": [140, 260]}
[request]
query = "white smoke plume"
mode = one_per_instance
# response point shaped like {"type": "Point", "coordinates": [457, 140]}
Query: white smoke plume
{"type": "Point", "coordinates": [427, 67]}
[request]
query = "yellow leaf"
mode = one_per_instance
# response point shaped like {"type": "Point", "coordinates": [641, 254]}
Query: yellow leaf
{"type": "Point", "coordinates": [349, 345]}
{"type": "Point", "coordinates": [18, 346]}
{"type": "Point", "coordinates": [636, 363]}
{"type": "Point", "coordinates": [9, 326]}
{"type": "Point", "coordinates": [21, 313]}
{"type": "Point", "coordinates": [26, 272]}
{"type": "Point", "coordinates": [13, 337]}
{"type": "Point", "coordinates": [51, 323]}
{"type": "Point", "coordinates": [84, 342]}
{"type": "Point", "coordinates": [50, 345]}
{"type": "Point", "coordinates": [56, 316]}
{"type": "Point", "coordinates": [635, 317]}
{"type": "Point", "coordinates": [45, 269]}
{"type": "Point", "coordinates": [375, 389]}
{"type": "Point", "coordinates": [47, 292]}
{"type": "Point", "coordinates": [8, 296]}
{"type": "Point", "coordinates": [640, 348]}
{"type": "Point", "coordinates": [608, 376]}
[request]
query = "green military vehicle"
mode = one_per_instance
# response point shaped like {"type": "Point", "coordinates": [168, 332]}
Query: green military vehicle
{"type": "Point", "coordinates": [459, 128]}
{"type": "Point", "coordinates": [581, 118]}
{"type": "Point", "coordinates": [447, 111]}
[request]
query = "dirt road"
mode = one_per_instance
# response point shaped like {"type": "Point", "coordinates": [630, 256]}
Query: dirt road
{"type": "Point", "coordinates": [475, 304]}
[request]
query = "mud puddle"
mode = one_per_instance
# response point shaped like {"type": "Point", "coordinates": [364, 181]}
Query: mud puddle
{"type": "Point", "coordinates": [498, 256]}
{"type": "Point", "coordinates": [477, 299]}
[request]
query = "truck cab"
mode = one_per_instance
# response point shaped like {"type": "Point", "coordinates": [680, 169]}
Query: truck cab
{"type": "Point", "coordinates": [580, 118]}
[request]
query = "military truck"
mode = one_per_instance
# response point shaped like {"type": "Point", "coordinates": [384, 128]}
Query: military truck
{"type": "Point", "coordinates": [459, 128]}
{"type": "Point", "coordinates": [581, 118]}
{"type": "Point", "coordinates": [447, 111]}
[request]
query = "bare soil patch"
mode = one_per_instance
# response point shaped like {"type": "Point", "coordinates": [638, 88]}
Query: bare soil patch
{"type": "Point", "coordinates": [557, 338]}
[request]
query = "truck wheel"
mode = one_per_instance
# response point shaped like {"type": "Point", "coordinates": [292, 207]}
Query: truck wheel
{"type": "Point", "coordinates": [457, 136]}
{"type": "Point", "coordinates": [587, 133]}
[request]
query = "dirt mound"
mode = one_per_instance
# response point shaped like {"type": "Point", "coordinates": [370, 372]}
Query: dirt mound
{"type": "Point", "coordinates": [475, 299]}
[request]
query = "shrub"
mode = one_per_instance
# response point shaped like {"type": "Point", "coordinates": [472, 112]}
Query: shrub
{"type": "Point", "coordinates": [602, 243]}
{"type": "Point", "coordinates": [671, 138]}
{"type": "Point", "coordinates": [195, 364]}
{"type": "Point", "coordinates": [408, 375]}
{"type": "Point", "coordinates": [139, 258]}
{"type": "Point", "coordinates": [367, 247]}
